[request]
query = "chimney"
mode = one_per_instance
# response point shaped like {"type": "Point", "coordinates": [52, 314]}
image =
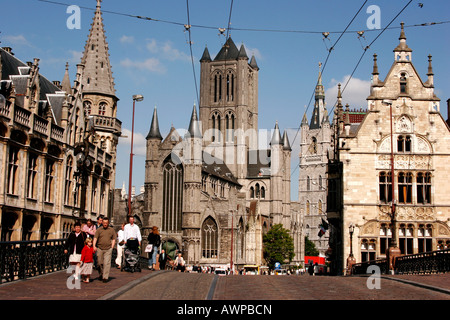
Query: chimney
{"type": "Point", "coordinates": [8, 49]}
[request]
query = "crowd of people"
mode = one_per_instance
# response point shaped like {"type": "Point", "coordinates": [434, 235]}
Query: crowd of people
{"type": "Point", "coordinates": [90, 247]}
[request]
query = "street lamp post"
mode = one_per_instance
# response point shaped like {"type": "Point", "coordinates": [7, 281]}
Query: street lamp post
{"type": "Point", "coordinates": [393, 251]}
{"type": "Point", "coordinates": [136, 97]}
{"type": "Point", "coordinates": [351, 259]}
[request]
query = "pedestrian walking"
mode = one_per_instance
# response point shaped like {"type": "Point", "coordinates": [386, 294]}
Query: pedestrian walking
{"type": "Point", "coordinates": [162, 260]}
{"type": "Point", "coordinates": [120, 244]}
{"type": "Point", "coordinates": [98, 225]}
{"type": "Point", "coordinates": [180, 264]}
{"type": "Point", "coordinates": [89, 228]}
{"type": "Point", "coordinates": [104, 241]}
{"type": "Point", "coordinates": [154, 239]}
{"type": "Point", "coordinates": [132, 234]}
{"type": "Point", "coordinates": [87, 260]}
{"type": "Point", "coordinates": [74, 246]}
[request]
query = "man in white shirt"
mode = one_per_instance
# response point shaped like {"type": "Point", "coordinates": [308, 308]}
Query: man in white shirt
{"type": "Point", "coordinates": [132, 234]}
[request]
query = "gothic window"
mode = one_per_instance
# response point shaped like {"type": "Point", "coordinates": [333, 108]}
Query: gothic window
{"type": "Point", "coordinates": [209, 239]}
{"type": "Point", "coordinates": [49, 180]}
{"type": "Point", "coordinates": [13, 166]}
{"type": "Point", "coordinates": [385, 238]}
{"type": "Point", "coordinates": [308, 183]}
{"type": "Point", "coordinates": [423, 187]}
{"type": "Point", "coordinates": [172, 196]}
{"type": "Point", "coordinates": [321, 183]}
{"type": "Point", "coordinates": [94, 195]}
{"type": "Point", "coordinates": [319, 207]}
{"type": "Point", "coordinates": [257, 190]}
{"type": "Point", "coordinates": [314, 145]}
{"type": "Point", "coordinates": [403, 83]}
{"type": "Point", "coordinates": [229, 122]}
{"type": "Point", "coordinates": [216, 127]}
{"type": "Point", "coordinates": [404, 144]}
{"type": "Point", "coordinates": [217, 87]}
{"type": "Point", "coordinates": [230, 86]}
{"type": "Point", "coordinates": [385, 184]}
{"type": "Point", "coordinates": [240, 240]}
{"type": "Point", "coordinates": [405, 187]}
{"type": "Point", "coordinates": [204, 184]}
{"type": "Point", "coordinates": [102, 108]}
{"type": "Point", "coordinates": [406, 238]}
{"type": "Point", "coordinates": [263, 193]}
{"type": "Point", "coordinates": [68, 181]}
{"type": "Point", "coordinates": [368, 250]}
{"type": "Point", "coordinates": [32, 176]}
{"type": "Point", "coordinates": [87, 107]}
{"type": "Point", "coordinates": [252, 193]}
{"type": "Point", "coordinates": [424, 237]}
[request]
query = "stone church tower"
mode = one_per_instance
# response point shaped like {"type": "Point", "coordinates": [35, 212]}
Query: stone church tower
{"type": "Point", "coordinates": [314, 146]}
{"type": "Point", "coordinates": [212, 192]}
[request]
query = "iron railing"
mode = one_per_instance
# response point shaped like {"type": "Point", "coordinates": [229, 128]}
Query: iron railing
{"type": "Point", "coordinates": [23, 259]}
{"type": "Point", "coordinates": [425, 262]}
{"type": "Point", "coordinates": [419, 263]}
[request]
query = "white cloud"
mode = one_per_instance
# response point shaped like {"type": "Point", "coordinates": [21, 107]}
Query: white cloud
{"type": "Point", "coordinates": [18, 40]}
{"type": "Point", "coordinates": [253, 51]}
{"type": "Point", "coordinates": [355, 93]}
{"type": "Point", "coordinates": [151, 64]}
{"type": "Point", "coordinates": [126, 39]}
{"type": "Point", "coordinates": [165, 50]}
{"type": "Point", "coordinates": [139, 142]}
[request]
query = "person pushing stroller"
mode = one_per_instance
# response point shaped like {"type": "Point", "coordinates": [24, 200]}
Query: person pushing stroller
{"type": "Point", "coordinates": [132, 237]}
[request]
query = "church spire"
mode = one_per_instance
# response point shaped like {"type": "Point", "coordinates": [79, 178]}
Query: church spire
{"type": "Point", "coordinates": [319, 104]}
{"type": "Point", "coordinates": [194, 126]}
{"type": "Point", "coordinates": [97, 77]}
{"type": "Point", "coordinates": [154, 132]}
{"type": "Point", "coordinates": [66, 81]}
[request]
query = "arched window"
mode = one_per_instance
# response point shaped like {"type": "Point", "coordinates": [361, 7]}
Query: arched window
{"type": "Point", "coordinates": [404, 144]}
{"type": "Point", "coordinates": [216, 127]}
{"type": "Point", "coordinates": [403, 83]}
{"type": "Point", "coordinates": [385, 185]}
{"type": "Point", "coordinates": [102, 108]}
{"type": "Point", "coordinates": [172, 196]}
{"type": "Point", "coordinates": [68, 181]}
{"type": "Point", "coordinates": [240, 240]}
{"type": "Point", "coordinates": [368, 250]}
{"type": "Point", "coordinates": [258, 190]}
{"type": "Point", "coordinates": [87, 107]}
{"type": "Point", "coordinates": [217, 94]}
{"type": "Point", "coordinates": [308, 183]}
{"type": "Point", "coordinates": [424, 237]}
{"type": "Point", "coordinates": [406, 238]}
{"type": "Point", "coordinates": [263, 193]}
{"type": "Point", "coordinates": [13, 166]}
{"type": "Point", "coordinates": [313, 145]}
{"type": "Point", "coordinates": [423, 187]}
{"type": "Point", "coordinates": [405, 187]}
{"type": "Point", "coordinates": [32, 175]}
{"type": "Point", "coordinates": [49, 181]}
{"type": "Point", "coordinates": [252, 193]}
{"type": "Point", "coordinates": [209, 238]}
{"type": "Point", "coordinates": [229, 123]}
{"type": "Point", "coordinates": [385, 238]}
{"type": "Point", "coordinates": [230, 86]}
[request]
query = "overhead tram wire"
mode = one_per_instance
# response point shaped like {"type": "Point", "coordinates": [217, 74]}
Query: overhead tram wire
{"type": "Point", "coordinates": [426, 24]}
{"type": "Point", "coordinates": [326, 61]}
{"type": "Point", "coordinates": [188, 27]}
{"type": "Point", "coordinates": [368, 47]}
{"type": "Point", "coordinates": [360, 59]}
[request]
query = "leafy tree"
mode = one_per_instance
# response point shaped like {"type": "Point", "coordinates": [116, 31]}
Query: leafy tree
{"type": "Point", "coordinates": [278, 246]}
{"type": "Point", "coordinates": [310, 248]}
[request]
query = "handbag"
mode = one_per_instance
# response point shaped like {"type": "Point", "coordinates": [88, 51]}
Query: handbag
{"type": "Point", "coordinates": [149, 248]}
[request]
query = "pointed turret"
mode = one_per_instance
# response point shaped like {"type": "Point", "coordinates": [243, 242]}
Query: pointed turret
{"type": "Point", "coordinates": [229, 51]}
{"type": "Point", "coordinates": [97, 77]}
{"type": "Point", "coordinates": [317, 115]}
{"type": "Point", "coordinates": [276, 137]}
{"type": "Point", "coordinates": [194, 126]}
{"type": "Point", "coordinates": [205, 57]}
{"type": "Point", "coordinates": [66, 81]}
{"type": "Point", "coordinates": [242, 53]}
{"type": "Point", "coordinates": [430, 73]}
{"type": "Point", "coordinates": [304, 120]}
{"type": "Point", "coordinates": [253, 63]}
{"type": "Point", "coordinates": [402, 52]}
{"type": "Point", "coordinates": [286, 144]}
{"type": "Point", "coordinates": [154, 132]}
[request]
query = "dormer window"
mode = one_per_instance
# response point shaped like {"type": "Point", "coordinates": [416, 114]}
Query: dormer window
{"type": "Point", "coordinates": [403, 83]}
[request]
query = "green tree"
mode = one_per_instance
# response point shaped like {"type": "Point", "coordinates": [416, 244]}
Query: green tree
{"type": "Point", "coordinates": [278, 246]}
{"type": "Point", "coordinates": [310, 248]}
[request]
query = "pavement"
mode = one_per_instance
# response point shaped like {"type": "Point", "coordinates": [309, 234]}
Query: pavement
{"type": "Point", "coordinates": [171, 285]}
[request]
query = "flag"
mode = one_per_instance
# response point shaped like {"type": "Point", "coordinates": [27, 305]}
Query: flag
{"type": "Point", "coordinates": [324, 224]}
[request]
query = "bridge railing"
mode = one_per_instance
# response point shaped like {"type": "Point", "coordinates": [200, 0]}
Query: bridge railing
{"type": "Point", "coordinates": [420, 263]}
{"type": "Point", "coordinates": [23, 259]}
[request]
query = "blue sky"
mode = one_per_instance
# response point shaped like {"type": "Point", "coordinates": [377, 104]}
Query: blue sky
{"type": "Point", "coordinates": [152, 58]}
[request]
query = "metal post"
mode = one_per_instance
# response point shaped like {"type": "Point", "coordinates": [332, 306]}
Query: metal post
{"type": "Point", "coordinates": [130, 181]}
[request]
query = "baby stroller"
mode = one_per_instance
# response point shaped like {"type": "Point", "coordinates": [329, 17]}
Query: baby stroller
{"type": "Point", "coordinates": [130, 258]}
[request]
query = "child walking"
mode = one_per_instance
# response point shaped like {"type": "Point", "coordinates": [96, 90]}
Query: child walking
{"type": "Point", "coordinates": [87, 260]}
